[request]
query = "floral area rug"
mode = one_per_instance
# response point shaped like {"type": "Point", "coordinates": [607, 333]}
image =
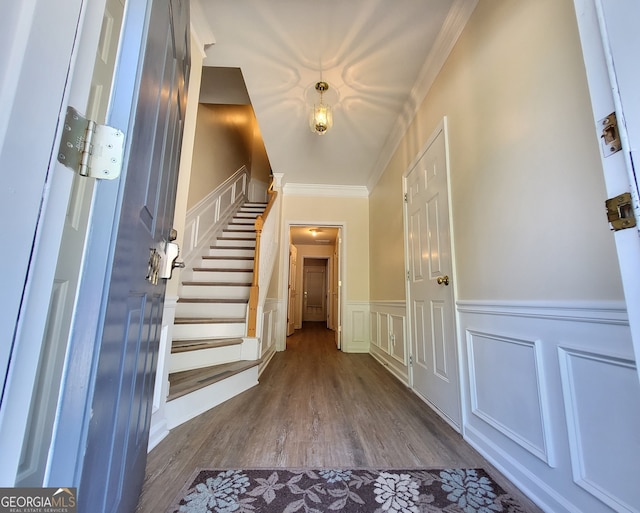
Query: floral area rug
{"type": "Point", "coordinates": [349, 491]}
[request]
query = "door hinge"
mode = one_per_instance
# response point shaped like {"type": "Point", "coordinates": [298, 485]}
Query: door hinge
{"type": "Point", "coordinates": [620, 212]}
{"type": "Point", "coordinates": [406, 197]}
{"type": "Point", "coordinates": [91, 149]}
{"type": "Point", "coordinates": [410, 360]}
{"type": "Point", "coordinates": [610, 135]}
{"type": "Point", "coordinates": [408, 275]}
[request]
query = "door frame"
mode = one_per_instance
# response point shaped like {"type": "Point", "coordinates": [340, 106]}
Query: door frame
{"type": "Point", "coordinates": [327, 276]}
{"type": "Point", "coordinates": [605, 98]}
{"type": "Point", "coordinates": [440, 127]}
{"type": "Point", "coordinates": [281, 339]}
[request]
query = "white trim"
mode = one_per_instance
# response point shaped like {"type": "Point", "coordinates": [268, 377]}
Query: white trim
{"type": "Point", "coordinates": [201, 29]}
{"type": "Point", "coordinates": [281, 333]}
{"type": "Point", "coordinates": [325, 191]}
{"type": "Point", "coordinates": [600, 312]}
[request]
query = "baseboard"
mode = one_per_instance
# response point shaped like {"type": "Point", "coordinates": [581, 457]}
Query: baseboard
{"type": "Point", "coordinates": [158, 433]}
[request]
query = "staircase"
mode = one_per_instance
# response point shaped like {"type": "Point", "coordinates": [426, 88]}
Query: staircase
{"type": "Point", "coordinates": [211, 358]}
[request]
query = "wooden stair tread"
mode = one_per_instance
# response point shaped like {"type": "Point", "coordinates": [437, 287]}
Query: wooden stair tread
{"type": "Point", "coordinates": [209, 320]}
{"type": "Point", "coordinates": [185, 382]}
{"type": "Point", "coordinates": [182, 346]}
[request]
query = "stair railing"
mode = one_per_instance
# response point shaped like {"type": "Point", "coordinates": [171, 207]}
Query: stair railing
{"type": "Point", "coordinates": [266, 229]}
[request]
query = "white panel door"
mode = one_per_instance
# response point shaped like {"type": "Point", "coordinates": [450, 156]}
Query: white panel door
{"type": "Point", "coordinates": [315, 306]}
{"type": "Point", "coordinates": [43, 408]}
{"type": "Point", "coordinates": [610, 45]}
{"type": "Point", "coordinates": [433, 334]}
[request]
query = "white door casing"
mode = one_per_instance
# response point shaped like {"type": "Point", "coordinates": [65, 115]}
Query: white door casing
{"type": "Point", "coordinates": [434, 372]}
{"type": "Point", "coordinates": [610, 45]}
{"type": "Point", "coordinates": [293, 290]}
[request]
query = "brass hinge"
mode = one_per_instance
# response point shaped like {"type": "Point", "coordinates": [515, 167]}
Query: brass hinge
{"type": "Point", "coordinates": [90, 149]}
{"type": "Point", "coordinates": [620, 212]}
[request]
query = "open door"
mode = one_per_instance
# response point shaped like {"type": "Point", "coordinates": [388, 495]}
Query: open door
{"type": "Point", "coordinates": [293, 290]}
{"type": "Point", "coordinates": [610, 44]}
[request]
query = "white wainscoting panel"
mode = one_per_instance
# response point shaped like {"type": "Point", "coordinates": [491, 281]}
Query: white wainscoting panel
{"type": "Point", "coordinates": [159, 425]}
{"type": "Point", "coordinates": [271, 318]}
{"type": "Point", "coordinates": [598, 386]}
{"type": "Point", "coordinates": [388, 322]}
{"type": "Point", "coordinates": [209, 216]}
{"type": "Point", "coordinates": [518, 412]}
{"type": "Point", "coordinates": [355, 327]}
{"type": "Point", "coordinates": [551, 398]}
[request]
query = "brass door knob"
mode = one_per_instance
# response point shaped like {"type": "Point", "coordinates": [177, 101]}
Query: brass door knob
{"type": "Point", "coordinates": [443, 280]}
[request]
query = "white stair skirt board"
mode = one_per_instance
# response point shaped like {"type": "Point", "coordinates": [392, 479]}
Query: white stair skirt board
{"type": "Point", "coordinates": [207, 309]}
{"type": "Point", "coordinates": [209, 330]}
{"type": "Point", "coordinates": [214, 291]}
{"type": "Point", "coordinates": [200, 358]}
{"type": "Point", "coordinates": [188, 406]}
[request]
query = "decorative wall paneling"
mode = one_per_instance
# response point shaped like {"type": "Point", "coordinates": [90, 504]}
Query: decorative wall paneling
{"type": "Point", "coordinates": [270, 319]}
{"type": "Point", "coordinates": [551, 397]}
{"type": "Point", "coordinates": [355, 327]}
{"type": "Point", "coordinates": [389, 341]}
{"type": "Point", "coordinates": [258, 191]}
{"type": "Point", "coordinates": [206, 220]}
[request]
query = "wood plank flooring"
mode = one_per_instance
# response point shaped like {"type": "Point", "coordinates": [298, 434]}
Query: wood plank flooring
{"type": "Point", "coordinates": [314, 407]}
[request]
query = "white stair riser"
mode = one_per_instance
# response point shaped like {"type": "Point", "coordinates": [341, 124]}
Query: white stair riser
{"type": "Point", "coordinates": [236, 243]}
{"type": "Point", "coordinates": [226, 263]}
{"type": "Point", "coordinates": [188, 406]}
{"type": "Point", "coordinates": [215, 291]}
{"type": "Point", "coordinates": [188, 360]}
{"type": "Point", "coordinates": [242, 227]}
{"type": "Point", "coordinates": [222, 276]}
{"type": "Point", "coordinates": [231, 252]}
{"type": "Point", "coordinates": [247, 215]}
{"type": "Point", "coordinates": [239, 233]}
{"type": "Point", "coordinates": [245, 221]}
{"type": "Point", "coordinates": [214, 330]}
{"type": "Point", "coordinates": [211, 310]}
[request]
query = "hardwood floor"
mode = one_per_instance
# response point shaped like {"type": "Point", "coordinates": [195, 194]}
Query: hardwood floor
{"type": "Point", "coordinates": [314, 407]}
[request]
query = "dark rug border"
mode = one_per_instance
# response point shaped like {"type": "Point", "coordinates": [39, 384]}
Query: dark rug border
{"type": "Point", "coordinates": [176, 501]}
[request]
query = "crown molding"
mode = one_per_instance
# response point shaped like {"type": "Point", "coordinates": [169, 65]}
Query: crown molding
{"type": "Point", "coordinates": [451, 29]}
{"type": "Point", "coordinates": [326, 191]}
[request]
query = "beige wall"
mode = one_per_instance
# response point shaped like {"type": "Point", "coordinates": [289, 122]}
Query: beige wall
{"type": "Point", "coordinates": [223, 144]}
{"type": "Point", "coordinates": [354, 212]}
{"type": "Point", "coordinates": [260, 165]}
{"type": "Point", "coordinates": [526, 182]}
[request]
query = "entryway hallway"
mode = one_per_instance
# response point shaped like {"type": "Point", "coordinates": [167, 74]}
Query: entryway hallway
{"type": "Point", "coordinates": [315, 406]}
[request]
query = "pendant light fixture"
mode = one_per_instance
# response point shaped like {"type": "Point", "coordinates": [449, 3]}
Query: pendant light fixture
{"type": "Point", "coordinates": [321, 116]}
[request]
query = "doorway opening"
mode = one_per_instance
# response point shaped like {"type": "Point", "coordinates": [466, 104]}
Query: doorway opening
{"type": "Point", "coordinates": [314, 278]}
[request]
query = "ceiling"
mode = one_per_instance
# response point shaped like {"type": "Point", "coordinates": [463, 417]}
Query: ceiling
{"type": "Point", "coordinates": [379, 58]}
{"type": "Point", "coordinates": [313, 235]}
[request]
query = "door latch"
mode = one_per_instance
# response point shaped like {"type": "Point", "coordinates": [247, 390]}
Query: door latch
{"type": "Point", "coordinates": [610, 135]}
{"type": "Point", "coordinates": [620, 212]}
